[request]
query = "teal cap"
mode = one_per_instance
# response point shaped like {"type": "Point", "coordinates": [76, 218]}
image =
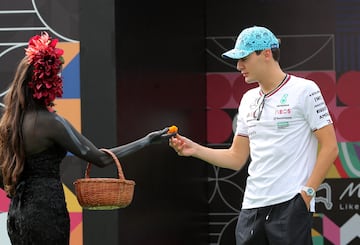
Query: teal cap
{"type": "Point", "coordinates": [252, 39]}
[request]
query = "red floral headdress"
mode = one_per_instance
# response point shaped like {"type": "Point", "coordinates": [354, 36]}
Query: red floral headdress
{"type": "Point", "coordinates": [46, 60]}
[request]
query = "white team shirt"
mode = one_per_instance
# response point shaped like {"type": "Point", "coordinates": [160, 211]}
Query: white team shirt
{"type": "Point", "coordinates": [283, 148]}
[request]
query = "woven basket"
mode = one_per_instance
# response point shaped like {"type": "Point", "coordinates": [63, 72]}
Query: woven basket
{"type": "Point", "coordinates": [104, 193]}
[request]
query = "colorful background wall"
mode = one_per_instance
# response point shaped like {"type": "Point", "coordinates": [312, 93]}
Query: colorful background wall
{"type": "Point", "coordinates": [150, 64]}
{"type": "Point", "coordinates": [18, 22]}
{"type": "Point", "coordinates": [321, 45]}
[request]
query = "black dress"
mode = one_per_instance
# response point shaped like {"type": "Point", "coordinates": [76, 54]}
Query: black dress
{"type": "Point", "coordinates": [38, 213]}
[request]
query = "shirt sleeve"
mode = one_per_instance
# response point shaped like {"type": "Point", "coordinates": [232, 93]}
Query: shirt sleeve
{"type": "Point", "coordinates": [316, 111]}
{"type": "Point", "coordinates": [241, 126]}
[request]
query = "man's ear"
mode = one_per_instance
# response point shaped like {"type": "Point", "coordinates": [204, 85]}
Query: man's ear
{"type": "Point", "coordinates": [267, 53]}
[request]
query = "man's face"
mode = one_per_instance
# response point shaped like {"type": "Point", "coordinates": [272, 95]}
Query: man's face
{"type": "Point", "coordinates": [254, 67]}
{"type": "Point", "coordinates": [247, 67]}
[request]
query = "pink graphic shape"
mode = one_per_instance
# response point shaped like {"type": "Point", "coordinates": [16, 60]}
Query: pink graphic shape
{"type": "Point", "coordinates": [348, 87]}
{"type": "Point", "coordinates": [4, 201]}
{"type": "Point", "coordinates": [75, 220]}
{"type": "Point", "coordinates": [219, 126]}
{"type": "Point", "coordinates": [218, 91]}
{"type": "Point", "coordinates": [331, 231]}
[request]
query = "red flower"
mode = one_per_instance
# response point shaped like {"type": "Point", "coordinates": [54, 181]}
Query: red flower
{"type": "Point", "coordinates": [46, 60]}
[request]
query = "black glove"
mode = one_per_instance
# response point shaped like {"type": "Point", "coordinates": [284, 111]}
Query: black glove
{"type": "Point", "coordinates": [159, 136]}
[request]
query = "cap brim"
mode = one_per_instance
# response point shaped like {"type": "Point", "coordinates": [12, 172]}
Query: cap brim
{"type": "Point", "coordinates": [235, 54]}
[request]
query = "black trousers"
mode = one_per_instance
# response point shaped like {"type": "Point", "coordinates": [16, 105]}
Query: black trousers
{"type": "Point", "coordinates": [287, 223]}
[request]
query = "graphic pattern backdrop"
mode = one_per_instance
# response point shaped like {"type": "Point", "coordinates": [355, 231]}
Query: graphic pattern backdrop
{"type": "Point", "coordinates": [332, 59]}
{"type": "Point", "coordinates": [328, 61]}
{"type": "Point", "coordinates": [19, 20]}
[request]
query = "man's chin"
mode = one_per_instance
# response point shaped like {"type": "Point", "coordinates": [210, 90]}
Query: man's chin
{"type": "Point", "coordinates": [250, 81]}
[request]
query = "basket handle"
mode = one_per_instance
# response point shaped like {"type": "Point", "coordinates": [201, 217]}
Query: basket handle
{"type": "Point", "coordinates": [116, 160]}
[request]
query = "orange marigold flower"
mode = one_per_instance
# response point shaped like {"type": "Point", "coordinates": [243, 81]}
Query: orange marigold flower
{"type": "Point", "coordinates": [173, 129]}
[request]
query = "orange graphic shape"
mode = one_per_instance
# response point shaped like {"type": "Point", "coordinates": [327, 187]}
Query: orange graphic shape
{"type": "Point", "coordinates": [76, 235]}
{"type": "Point", "coordinates": [70, 51]}
{"type": "Point", "coordinates": [70, 109]}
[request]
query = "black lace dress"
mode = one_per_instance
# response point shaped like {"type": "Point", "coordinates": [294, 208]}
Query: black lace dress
{"type": "Point", "coordinates": [38, 213]}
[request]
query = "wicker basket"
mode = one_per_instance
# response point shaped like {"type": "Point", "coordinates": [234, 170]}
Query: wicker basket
{"type": "Point", "coordinates": [104, 193]}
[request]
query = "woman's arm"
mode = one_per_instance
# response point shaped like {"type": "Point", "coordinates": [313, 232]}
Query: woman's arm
{"type": "Point", "coordinates": [61, 132]}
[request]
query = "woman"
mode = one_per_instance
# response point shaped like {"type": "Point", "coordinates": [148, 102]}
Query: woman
{"type": "Point", "coordinates": [33, 142]}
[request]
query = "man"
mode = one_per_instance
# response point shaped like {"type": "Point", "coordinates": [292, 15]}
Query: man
{"type": "Point", "coordinates": [286, 129]}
